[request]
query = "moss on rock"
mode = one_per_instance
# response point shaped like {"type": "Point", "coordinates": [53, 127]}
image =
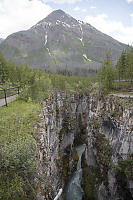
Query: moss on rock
{"type": "Point", "coordinates": [75, 157]}
{"type": "Point", "coordinates": [91, 180]}
{"type": "Point", "coordinates": [104, 150]}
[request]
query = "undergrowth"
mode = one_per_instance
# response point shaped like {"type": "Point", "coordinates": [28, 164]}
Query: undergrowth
{"type": "Point", "coordinates": [18, 157]}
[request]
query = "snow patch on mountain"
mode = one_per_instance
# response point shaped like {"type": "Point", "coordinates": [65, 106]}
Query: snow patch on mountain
{"type": "Point", "coordinates": [46, 39]}
{"type": "Point", "coordinates": [85, 56]}
{"type": "Point", "coordinates": [49, 51]}
{"type": "Point", "coordinates": [81, 22]}
{"type": "Point", "coordinates": [63, 23]}
{"type": "Point", "coordinates": [67, 25]}
{"type": "Point", "coordinates": [81, 29]}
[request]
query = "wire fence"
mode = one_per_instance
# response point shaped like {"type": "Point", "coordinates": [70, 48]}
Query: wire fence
{"type": "Point", "coordinates": [5, 93]}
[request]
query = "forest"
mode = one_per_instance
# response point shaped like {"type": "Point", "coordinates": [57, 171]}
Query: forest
{"type": "Point", "coordinates": [36, 84]}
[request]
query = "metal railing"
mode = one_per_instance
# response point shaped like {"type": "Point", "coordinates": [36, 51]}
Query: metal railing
{"type": "Point", "coordinates": [7, 92]}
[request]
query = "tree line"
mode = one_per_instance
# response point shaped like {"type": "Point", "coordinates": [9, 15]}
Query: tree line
{"type": "Point", "coordinates": [122, 71]}
{"type": "Point", "coordinates": [37, 84]}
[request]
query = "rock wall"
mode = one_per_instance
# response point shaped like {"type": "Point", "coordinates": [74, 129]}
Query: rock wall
{"type": "Point", "coordinates": [110, 149]}
{"type": "Point", "coordinates": [105, 126]}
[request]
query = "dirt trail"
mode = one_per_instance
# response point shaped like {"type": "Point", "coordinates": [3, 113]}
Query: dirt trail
{"type": "Point", "coordinates": [9, 99]}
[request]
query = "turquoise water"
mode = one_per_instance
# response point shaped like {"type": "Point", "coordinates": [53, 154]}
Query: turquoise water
{"type": "Point", "coordinates": [74, 190]}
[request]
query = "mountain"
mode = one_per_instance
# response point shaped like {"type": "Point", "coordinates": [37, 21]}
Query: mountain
{"type": "Point", "coordinates": [59, 40]}
{"type": "Point", "coordinates": [1, 40]}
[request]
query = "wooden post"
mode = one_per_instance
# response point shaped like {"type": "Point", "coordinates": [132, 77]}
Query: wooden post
{"type": "Point", "coordinates": [5, 97]}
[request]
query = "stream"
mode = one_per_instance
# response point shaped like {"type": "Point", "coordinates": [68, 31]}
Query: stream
{"type": "Point", "coordinates": [74, 190]}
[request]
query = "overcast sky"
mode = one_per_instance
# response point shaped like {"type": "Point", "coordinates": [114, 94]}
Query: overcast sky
{"type": "Point", "coordinates": [113, 17]}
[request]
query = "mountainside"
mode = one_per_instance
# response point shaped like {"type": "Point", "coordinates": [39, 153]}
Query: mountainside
{"type": "Point", "coordinates": [60, 40]}
{"type": "Point", "coordinates": [1, 40]}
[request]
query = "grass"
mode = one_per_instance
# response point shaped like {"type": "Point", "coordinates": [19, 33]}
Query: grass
{"type": "Point", "coordinates": [18, 150]}
{"type": "Point", "coordinates": [17, 120]}
{"type": "Point", "coordinates": [123, 87]}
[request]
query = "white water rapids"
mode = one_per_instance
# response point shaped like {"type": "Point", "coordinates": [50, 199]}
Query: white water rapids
{"type": "Point", "coordinates": [74, 190]}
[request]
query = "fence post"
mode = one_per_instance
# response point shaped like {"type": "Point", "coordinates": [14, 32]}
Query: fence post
{"type": "Point", "coordinates": [5, 97]}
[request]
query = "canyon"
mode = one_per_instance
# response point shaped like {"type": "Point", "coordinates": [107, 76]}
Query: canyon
{"type": "Point", "coordinates": [101, 128]}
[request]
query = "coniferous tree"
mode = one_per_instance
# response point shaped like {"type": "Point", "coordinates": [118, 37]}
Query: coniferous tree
{"type": "Point", "coordinates": [106, 73]}
{"type": "Point", "coordinates": [12, 73]}
{"type": "Point", "coordinates": [3, 70]}
{"type": "Point", "coordinates": [122, 65]}
{"type": "Point", "coordinates": [129, 70]}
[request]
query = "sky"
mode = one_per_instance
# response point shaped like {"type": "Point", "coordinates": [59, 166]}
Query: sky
{"type": "Point", "coordinates": [112, 17]}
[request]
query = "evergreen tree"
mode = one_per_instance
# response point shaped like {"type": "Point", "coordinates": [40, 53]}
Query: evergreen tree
{"type": "Point", "coordinates": [106, 74]}
{"type": "Point", "coordinates": [122, 65]}
{"type": "Point", "coordinates": [12, 73]}
{"type": "Point", "coordinates": [3, 70]}
{"type": "Point", "coordinates": [129, 70]}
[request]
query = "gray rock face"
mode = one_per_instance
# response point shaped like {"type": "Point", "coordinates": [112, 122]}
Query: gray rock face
{"type": "Point", "coordinates": [105, 126]}
{"type": "Point", "coordinates": [60, 41]}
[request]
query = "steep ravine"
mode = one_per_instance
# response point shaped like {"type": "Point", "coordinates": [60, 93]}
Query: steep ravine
{"type": "Point", "coordinates": [105, 126]}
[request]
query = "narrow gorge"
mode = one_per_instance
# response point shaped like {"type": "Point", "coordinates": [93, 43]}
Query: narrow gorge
{"type": "Point", "coordinates": [90, 134]}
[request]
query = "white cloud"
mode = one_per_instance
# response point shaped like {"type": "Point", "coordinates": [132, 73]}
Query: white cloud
{"type": "Point", "coordinates": [76, 8]}
{"type": "Point", "coordinates": [129, 1]}
{"type": "Point", "coordinates": [84, 10]}
{"type": "Point", "coordinates": [79, 9]}
{"type": "Point", "coordinates": [19, 15]}
{"type": "Point", "coordinates": [62, 1]}
{"type": "Point", "coordinates": [93, 7]}
{"type": "Point", "coordinates": [116, 29]}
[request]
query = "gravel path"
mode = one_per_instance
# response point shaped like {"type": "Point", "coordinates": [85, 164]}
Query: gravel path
{"type": "Point", "coordinates": [9, 99]}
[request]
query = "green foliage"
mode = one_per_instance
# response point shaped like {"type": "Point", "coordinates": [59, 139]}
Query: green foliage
{"type": "Point", "coordinates": [36, 84]}
{"type": "Point", "coordinates": [104, 151]}
{"type": "Point", "coordinates": [95, 123]}
{"type": "Point", "coordinates": [124, 67]}
{"type": "Point", "coordinates": [65, 163]}
{"type": "Point", "coordinates": [3, 70]}
{"type": "Point", "coordinates": [122, 71]}
{"type": "Point", "coordinates": [129, 70]}
{"type": "Point", "coordinates": [18, 150]}
{"type": "Point", "coordinates": [113, 113]}
{"type": "Point", "coordinates": [92, 179]}
{"type": "Point", "coordinates": [19, 156]}
{"type": "Point", "coordinates": [64, 72]}
{"type": "Point", "coordinates": [18, 167]}
{"type": "Point", "coordinates": [106, 74]}
{"type": "Point", "coordinates": [75, 157]}
{"type": "Point", "coordinates": [124, 166]}
{"type": "Point", "coordinates": [11, 189]}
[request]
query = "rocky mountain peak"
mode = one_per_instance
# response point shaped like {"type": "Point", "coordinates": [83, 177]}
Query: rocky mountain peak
{"type": "Point", "coordinates": [58, 41]}
{"type": "Point", "coordinates": [58, 16]}
{"type": "Point", "coordinates": [58, 13]}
